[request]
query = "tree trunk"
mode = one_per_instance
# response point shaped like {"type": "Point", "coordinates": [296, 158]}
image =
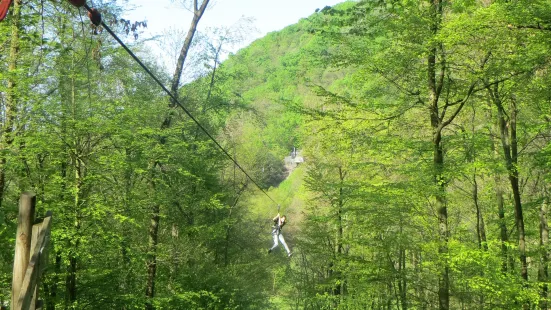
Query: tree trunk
{"type": "Point", "coordinates": [174, 86]}
{"type": "Point", "coordinates": [443, 280]}
{"type": "Point", "coordinates": [543, 273]}
{"type": "Point", "coordinates": [502, 225]}
{"type": "Point", "coordinates": [71, 278]}
{"type": "Point", "coordinates": [155, 211]}
{"type": "Point", "coordinates": [402, 279]}
{"type": "Point", "coordinates": [10, 108]}
{"type": "Point", "coordinates": [339, 288]}
{"type": "Point", "coordinates": [79, 149]}
{"type": "Point", "coordinates": [435, 84]}
{"type": "Point", "coordinates": [514, 179]}
{"type": "Point", "coordinates": [508, 134]}
{"type": "Point", "coordinates": [152, 257]}
{"type": "Point", "coordinates": [212, 77]}
{"type": "Point", "coordinates": [503, 236]}
{"type": "Point", "coordinates": [480, 227]}
{"type": "Point", "coordinates": [71, 282]}
{"type": "Point", "coordinates": [51, 290]}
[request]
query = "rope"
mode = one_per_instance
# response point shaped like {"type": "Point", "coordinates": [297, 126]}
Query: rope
{"type": "Point", "coordinates": [175, 100]}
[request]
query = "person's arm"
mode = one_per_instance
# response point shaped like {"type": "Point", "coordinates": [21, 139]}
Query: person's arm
{"type": "Point", "coordinates": [276, 219]}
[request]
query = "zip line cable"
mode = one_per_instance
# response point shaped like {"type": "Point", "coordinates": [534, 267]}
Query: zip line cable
{"type": "Point", "coordinates": [96, 20]}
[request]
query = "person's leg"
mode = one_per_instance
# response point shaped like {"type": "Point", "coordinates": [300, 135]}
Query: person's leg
{"type": "Point", "coordinates": [275, 242]}
{"type": "Point", "coordinates": [282, 240]}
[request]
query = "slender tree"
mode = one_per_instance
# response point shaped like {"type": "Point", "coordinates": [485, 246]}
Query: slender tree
{"type": "Point", "coordinates": [155, 211]}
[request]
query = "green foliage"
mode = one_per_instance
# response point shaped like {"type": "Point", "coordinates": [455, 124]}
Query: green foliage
{"type": "Point", "coordinates": [88, 146]}
{"type": "Point", "coordinates": [371, 231]}
{"type": "Point", "coordinates": [348, 86]}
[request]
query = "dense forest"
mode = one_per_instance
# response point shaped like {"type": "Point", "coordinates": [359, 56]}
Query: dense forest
{"type": "Point", "coordinates": [425, 126]}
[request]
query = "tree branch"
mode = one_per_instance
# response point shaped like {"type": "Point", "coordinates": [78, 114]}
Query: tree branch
{"type": "Point", "coordinates": [463, 101]}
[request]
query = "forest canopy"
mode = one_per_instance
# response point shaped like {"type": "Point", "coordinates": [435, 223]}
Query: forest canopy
{"type": "Point", "coordinates": [425, 129]}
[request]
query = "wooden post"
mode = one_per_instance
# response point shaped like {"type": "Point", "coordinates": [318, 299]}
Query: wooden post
{"type": "Point", "coordinates": [22, 243]}
{"type": "Point", "coordinates": [37, 228]}
{"type": "Point", "coordinates": [28, 296]}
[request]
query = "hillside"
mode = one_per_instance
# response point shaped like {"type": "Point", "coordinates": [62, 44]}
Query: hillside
{"type": "Point", "coordinates": [278, 72]}
{"type": "Point", "coordinates": [411, 154]}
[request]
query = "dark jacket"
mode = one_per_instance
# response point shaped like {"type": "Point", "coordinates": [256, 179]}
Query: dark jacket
{"type": "Point", "coordinates": [276, 229]}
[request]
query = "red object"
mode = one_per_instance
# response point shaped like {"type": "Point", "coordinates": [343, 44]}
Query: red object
{"type": "Point", "coordinates": [4, 6]}
{"type": "Point", "coordinates": [78, 3]}
{"type": "Point", "coordinates": [94, 16]}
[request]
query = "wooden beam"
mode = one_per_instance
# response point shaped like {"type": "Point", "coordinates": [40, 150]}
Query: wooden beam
{"type": "Point", "coordinates": [37, 227]}
{"type": "Point", "coordinates": [22, 243]}
{"type": "Point", "coordinates": [29, 291]}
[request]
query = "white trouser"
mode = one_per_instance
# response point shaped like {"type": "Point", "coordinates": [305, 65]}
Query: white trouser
{"type": "Point", "coordinates": [282, 240]}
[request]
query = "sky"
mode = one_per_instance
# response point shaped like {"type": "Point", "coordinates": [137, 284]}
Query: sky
{"type": "Point", "coordinates": [267, 15]}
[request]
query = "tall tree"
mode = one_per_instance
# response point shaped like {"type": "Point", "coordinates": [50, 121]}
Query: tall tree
{"type": "Point", "coordinates": [12, 94]}
{"type": "Point", "coordinates": [155, 211]}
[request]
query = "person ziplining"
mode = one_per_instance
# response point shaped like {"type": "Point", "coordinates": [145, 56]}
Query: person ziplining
{"type": "Point", "coordinates": [279, 222]}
